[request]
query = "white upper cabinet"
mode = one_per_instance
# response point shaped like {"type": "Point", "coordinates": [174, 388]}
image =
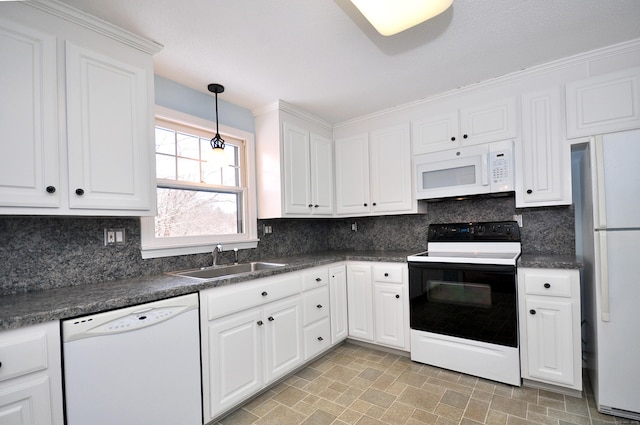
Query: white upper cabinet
{"type": "Point", "coordinates": [80, 120]}
{"type": "Point", "coordinates": [543, 160]}
{"type": "Point", "coordinates": [473, 125]}
{"type": "Point", "coordinates": [295, 164]}
{"type": "Point", "coordinates": [373, 173]}
{"type": "Point", "coordinates": [604, 104]}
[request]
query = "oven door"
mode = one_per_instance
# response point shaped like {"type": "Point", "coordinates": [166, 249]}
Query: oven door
{"type": "Point", "coordinates": [469, 301]}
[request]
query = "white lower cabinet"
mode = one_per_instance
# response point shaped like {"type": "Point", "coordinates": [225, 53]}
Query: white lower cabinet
{"type": "Point", "coordinates": [31, 376]}
{"type": "Point", "coordinates": [550, 326]}
{"type": "Point", "coordinates": [378, 303]}
{"type": "Point", "coordinates": [338, 303]}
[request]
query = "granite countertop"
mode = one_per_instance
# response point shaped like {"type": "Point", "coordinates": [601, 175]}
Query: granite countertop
{"type": "Point", "coordinates": [548, 261]}
{"type": "Point", "coordinates": [62, 303]}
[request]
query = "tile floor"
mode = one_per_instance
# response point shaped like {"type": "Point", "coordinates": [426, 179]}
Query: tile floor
{"type": "Point", "coordinates": [359, 385]}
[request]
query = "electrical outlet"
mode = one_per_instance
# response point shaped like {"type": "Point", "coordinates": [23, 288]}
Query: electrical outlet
{"type": "Point", "coordinates": [114, 237]}
{"type": "Point", "coordinates": [354, 227]}
{"type": "Point", "coordinates": [267, 229]}
{"type": "Point", "coordinates": [518, 218]}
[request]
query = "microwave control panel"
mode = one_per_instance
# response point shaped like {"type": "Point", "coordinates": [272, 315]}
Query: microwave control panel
{"type": "Point", "coordinates": [500, 169]}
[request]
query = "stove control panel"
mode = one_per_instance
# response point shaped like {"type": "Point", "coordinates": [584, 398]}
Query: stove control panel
{"type": "Point", "coordinates": [490, 231]}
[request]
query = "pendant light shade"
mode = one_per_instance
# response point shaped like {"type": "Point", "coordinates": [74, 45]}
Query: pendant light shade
{"type": "Point", "coordinates": [390, 17]}
{"type": "Point", "coordinates": [217, 155]}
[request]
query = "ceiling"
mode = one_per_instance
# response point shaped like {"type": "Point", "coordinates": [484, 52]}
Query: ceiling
{"type": "Point", "coordinates": [324, 57]}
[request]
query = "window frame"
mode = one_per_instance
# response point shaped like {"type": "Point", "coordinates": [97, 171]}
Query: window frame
{"type": "Point", "coordinates": [153, 247]}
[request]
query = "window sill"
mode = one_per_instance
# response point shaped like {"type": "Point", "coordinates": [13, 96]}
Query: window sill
{"type": "Point", "coordinates": [194, 249]}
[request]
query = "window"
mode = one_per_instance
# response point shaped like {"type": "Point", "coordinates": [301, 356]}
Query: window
{"type": "Point", "coordinates": [199, 203]}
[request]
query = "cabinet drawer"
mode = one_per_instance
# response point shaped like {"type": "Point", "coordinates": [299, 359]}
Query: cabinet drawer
{"type": "Point", "coordinates": [22, 353]}
{"type": "Point", "coordinates": [390, 273]}
{"type": "Point", "coordinates": [317, 338]}
{"type": "Point", "coordinates": [548, 282]}
{"type": "Point", "coordinates": [232, 298]}
{"type": "Point", "coordinates": [314, 278]}
{"type": "Point", "coordinates": [315, 305]}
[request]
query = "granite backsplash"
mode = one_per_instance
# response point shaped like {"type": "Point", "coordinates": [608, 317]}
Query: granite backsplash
{"type": "Point", "coordinates": [48, 252]}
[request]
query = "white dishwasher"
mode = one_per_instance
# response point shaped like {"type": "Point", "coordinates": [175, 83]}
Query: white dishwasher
{"type": "Point", "coordinates": [138, 365]}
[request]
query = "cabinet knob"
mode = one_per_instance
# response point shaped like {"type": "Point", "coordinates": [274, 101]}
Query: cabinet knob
{"type": "Point", "coordinates": [316, 206]}
{"type": "Point", "coordinates": [51, 189]}
{"type": "Point", "coordinates": [79, 192]}
{"type": "Point", "coordinates": [397, 296]}
{"type": "Point", "coordinates": [374, 204]}
{"type": "Point", "coordinates": [310, 205]}
{"type": "Point", "coordinates": [320, 338]}
{"type": "Point", "coordinates": [386, 275]}
{"type": "Point", "coordinates": [529, 191]}
{"type": "Point", "coordinates": [318, 279]}
{"type": "Point", "coordinates": [270, 318]}
{"type": "Point", "coordinates": [260, 323]}
{"type": "Point", "coordinates": [547, 285]}
{"type": "Point", "coordinates": [319, 306]}
{"type": "Point", "coordinates": [366, 205]}
{"type": "Point", "coordinates": [464, 136]}
{"type": "Point", "coordinates": [453, 139]}
{"type": "Point", "coordinates": [532, 311]}
{"type": "Point", "coordinates": [264, 293]}
{"type": "Point", "coordinates": [0, 364]}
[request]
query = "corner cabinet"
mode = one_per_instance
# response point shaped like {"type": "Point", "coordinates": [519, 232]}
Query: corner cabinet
{"type": "Point", "coordinates": [542, 157]}
{"type": "Point", "coordinates": [80, 123]}
{"type": "Point", "coordinates": [295, 163]}
{"type": "Point", "coordinates": [550, 333]}
{"type": "Point", "coordinates": [373, 173]}
{"type": "Point", "coordinates": [31, 375]}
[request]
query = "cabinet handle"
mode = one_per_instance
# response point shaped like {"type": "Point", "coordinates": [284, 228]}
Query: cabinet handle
{"type": "Point", "coordinates": [397, 296]}
{"type": "Point", "coordinates": [318, 279]}
{"type": "Point", "coordinates": [453, 139]}
{"type": "Point", "coordinates": [547, 285]}
{"type": "Point", "coordinates": [532, 311]}
{"type": "Point", "coordinates": [79, 192]}
{"type": "Point", "coordinates": [319, 306]}
{"type": "Point", "coordinates": [260, 323]}
{"type": "Point", "coordinates": [264, 293]}
{"type": "Point", "coordinates": [320, 338]}
{"type": "Point", "coordinates": [51, 189]}
{"type": "Point", "coordinates": [529, 191]}
{"type": "Point", "coordinates": [386, 275]}
{"type": "Point", "coordinates": [464, 136]}
{"type": "Point", "coordinates": [270, 318]}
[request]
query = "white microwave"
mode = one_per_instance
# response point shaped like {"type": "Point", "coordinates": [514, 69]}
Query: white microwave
{"type": "Point", "coordinates": [470, 170]}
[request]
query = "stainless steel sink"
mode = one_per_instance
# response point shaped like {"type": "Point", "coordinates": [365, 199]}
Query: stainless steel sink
{"type": "Point", "coordinates": [227, 270]}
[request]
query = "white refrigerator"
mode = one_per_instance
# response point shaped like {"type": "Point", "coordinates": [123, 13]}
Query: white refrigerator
{"type": "Point", "coordinates": [612, 272]}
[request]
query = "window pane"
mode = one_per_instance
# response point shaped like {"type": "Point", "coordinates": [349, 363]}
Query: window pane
{"type": "Point", "coordinates": [188, 170]}
{"type": "Point", "coordinates": [165, 141]}
{"type": "Point", "coordinates": [197, 213]}
{"type": "Point", "coordinates": [188, 146]}
{"type": "Point", "coordinates": [165, 167]}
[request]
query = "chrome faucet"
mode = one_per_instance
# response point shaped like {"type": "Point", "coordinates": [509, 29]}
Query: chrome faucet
{"type": "Point", "coordinates": [217, 250]}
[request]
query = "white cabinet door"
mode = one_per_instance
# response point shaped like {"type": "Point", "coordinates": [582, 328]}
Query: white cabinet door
{"type": "Point", "coordinates": [389, 314]}
{"type": "Point", "coordinates": [321, 171]}
{"type": "Point", "coordinates": [108, 132]}
{"type": "Point", "coordinates": [352, 175]}
{"type": "Point", "coordinates": [604, 104]}
{"type": "Point", "coordinates": [360, 301]}
{"type": "Point", "coordinates": [435, 134]}
{"type": "Point", "coordinates": [234, 360]}
{"type": "Point", "coordinates": [390, 172]}
{"type": "Point", "coordinates": [29, 175]}
{"type": "Point", "coordinates": [283, 337]}
{"type": "Point", "coordinates": [543, 161]}
{"type": "Point", "coordinates": [488, 122]}
{"type": "Point", "coordinates": [297, 171]}
{"type": "Point", "coordinates": [550, 340]}
{"type": "Point", "coordinates": [26, 403]}
{"type": "Point", "coordinates": [338, 303]}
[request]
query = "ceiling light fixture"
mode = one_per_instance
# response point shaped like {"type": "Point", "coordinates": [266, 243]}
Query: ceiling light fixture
{"type": "Point", "coordinates": [217, 156]}
{"type": "Point", "coordinates": [390, 17]}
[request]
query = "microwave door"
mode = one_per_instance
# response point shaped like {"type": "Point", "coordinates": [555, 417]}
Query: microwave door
{"type": "Point", "coordinates": [454, 177]}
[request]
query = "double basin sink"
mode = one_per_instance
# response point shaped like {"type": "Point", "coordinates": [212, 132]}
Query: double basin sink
{"type": "Point", "coordinates": [226, 270]}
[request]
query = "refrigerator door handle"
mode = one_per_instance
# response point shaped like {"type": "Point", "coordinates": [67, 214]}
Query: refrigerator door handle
{"type": "Point", "coordinates": [604, 276]}
{"type": "Point", "coordinates": [601, 210]}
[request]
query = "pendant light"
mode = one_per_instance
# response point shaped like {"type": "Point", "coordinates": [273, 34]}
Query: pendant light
{"type": "Point", "coordinates": [390, 17]}
{"type": "Point", "coordinates": [217, 155]}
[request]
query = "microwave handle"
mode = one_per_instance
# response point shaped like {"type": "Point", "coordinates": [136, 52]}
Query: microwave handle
{"type": "Point", "coordinates": [485, 171]}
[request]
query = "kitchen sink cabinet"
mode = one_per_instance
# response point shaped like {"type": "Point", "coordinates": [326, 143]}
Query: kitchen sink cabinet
{"type": "Point", "coordinates": [471, 125]}
{"type": "Point", "coordinates": [550, 333]}
{"type": "Point", "coordinates": [81, 129]}
{"type": "Point", "coordinates": [603, 104]}
{"type": "Point", "coordinates": [295, 164]}
{"type": "Point", "coordinates": [31, 375]}
{"type": "Point", "coordinates": [378, 303]}
{"type": "Point", "coordinates": [542, 157]}
{"type": "Point", "coordinates": [373, 173]}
